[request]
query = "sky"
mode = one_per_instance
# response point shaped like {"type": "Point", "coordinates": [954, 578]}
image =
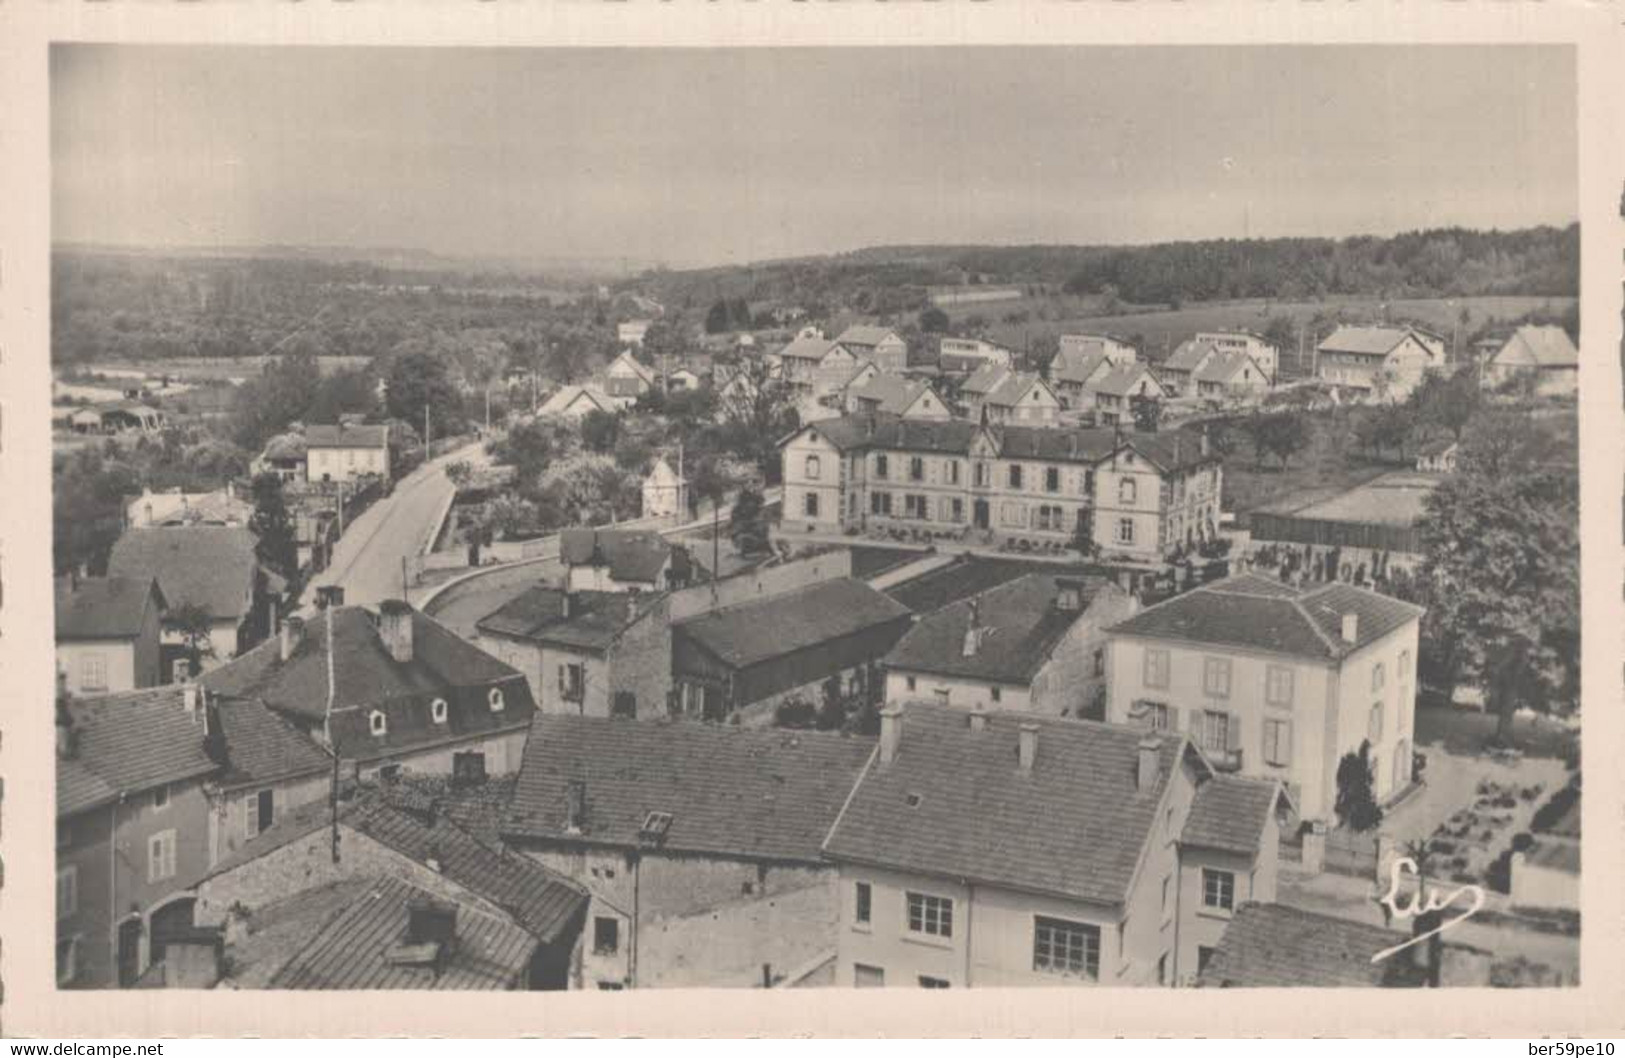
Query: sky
{"type": "Point", "coordinates": [719, 156]}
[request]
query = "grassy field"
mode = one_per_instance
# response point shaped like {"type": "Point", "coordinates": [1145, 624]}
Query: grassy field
{"type": "Point", "coordinates": [216, 368]}
{"type": "Point", "coordinates": [1330, 462]}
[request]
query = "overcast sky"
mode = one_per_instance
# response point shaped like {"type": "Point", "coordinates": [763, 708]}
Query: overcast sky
{"type": "Point", "coordinates": [715, 156]}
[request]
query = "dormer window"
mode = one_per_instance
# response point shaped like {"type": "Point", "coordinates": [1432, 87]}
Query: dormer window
{"type": "Point", "coordinates": [496, 700]}
{"type": "Point", "coordinates": [379, 723]}
{"type": "Point", "coordinates": [437, 710]}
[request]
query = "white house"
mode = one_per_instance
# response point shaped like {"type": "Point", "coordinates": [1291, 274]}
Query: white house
{"type": "Point", "coordinates": [665, 491]}
{"type": "Point", "coordinates": [1546, 353]}
{"type": "Point", "coordinates": [345, 452]}
{"type": "Point", "coordinates": [1375, 363]}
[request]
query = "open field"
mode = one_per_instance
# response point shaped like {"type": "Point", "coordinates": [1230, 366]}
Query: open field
{"type": "Point", "coordinates": [211, 368]}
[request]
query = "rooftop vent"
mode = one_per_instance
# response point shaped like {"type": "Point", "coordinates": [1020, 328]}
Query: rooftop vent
{"type": "Point", "coordinates": [654, 828]}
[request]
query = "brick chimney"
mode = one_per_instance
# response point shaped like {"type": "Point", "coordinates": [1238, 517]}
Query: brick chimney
{"type": "Point", "coordinates": [395, 629]}
{"type": "Point", "coordinates": [293, 634]}
{"type": "Point", "coordinates": [67, 739]}
{"type": "Point", "coordinates": [1147, 766]}
{"type": "Point", "coordinates": [1351, 628]}
{"type": "Point", "coordinates": [1204, 442]}
{"type": "Point", "coordinates": [891, 732]}
{"type": "Point", "coordinates": [1026, 746]}
{"type": "Point", "coordinates": [575, 806]}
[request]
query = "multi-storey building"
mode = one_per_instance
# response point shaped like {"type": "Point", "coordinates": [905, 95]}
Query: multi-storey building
{"type": "Point", "coordinates": [998, 394]}
{"type": "Point", "coordinates": [881, 345]}
{"type": "Point", "coordinates": [1254, 346]}
{"type": "Point", "coordinates": [1135, 497]}
{"type": "Point", "coordinates": [963, 355]}
{"type": "Point", "coordinates": [1275, 682]}
{"type": "Point", "coordinates": [1378, 363]}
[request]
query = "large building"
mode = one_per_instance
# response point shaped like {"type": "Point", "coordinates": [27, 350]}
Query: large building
{"type": "Point", "coordinates": [1375, 363]}
{"type": "Point", "coordinates": [999, 395]}
{"type": "Point", "coordinates": [209, 569]}
{"type": "Point", "coordinates": [345, 452]}
{"type": "Point", "coordinates": [1137, 497]}
{"type": "Point", "coordinates": [1275, 681]}
{"type": "Point", "coordinates": [964, 355]}
{"type": "Point", "coordinates": [1254, 346]}
{"type": "Point", "coordinates": [1007, 849]}
{"type": "Point", "coordinates": [882, 346]}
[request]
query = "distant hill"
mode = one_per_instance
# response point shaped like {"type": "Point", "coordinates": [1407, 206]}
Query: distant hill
{"type": "Point", "coordinates": [391, 258]}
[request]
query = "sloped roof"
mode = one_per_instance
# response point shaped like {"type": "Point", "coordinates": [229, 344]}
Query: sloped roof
{"type": "Point", "coordinates": [1367, 341]}
{"type": "Point", "coordinates": [985, 379]}
{"type": "Point", "coordinates": [631, 554]}
{"type": "Point", "coordinates": [104, 607]}
{"type": "Point", "coordinates": [1276, 946]}
{"type": "Point", "coordinates": [262, 747]}
{"type": "Point", "coordinates": [568, 395]}
{"type": "Point", "coordinates": [1188, 356]}
{"type": "Point", "coordinates": [865, 335]}
{"type": "Point", "coordinates": [350, 951]}
{"type": "Point", "coordinates": [1073, 365]}
{"type": "Point", "coordinates": [538, 614]}
{"type": "Point", "coordinates": [971, 574]}
{"type": "Point", "coordinates": [637, 366]}
{"type": "Point", "coordinates": [742, 792]}
{"type": "Point", "coordinates": [210, 566]}
{"type": "Point", "coordinates": [893, 394]}
{"type": "Point", "coordinates": [1254, 612]}
{"type": "Point", "coordinates": [1122, 378]}
{"type": "Point", "coordinates": [1224, 367]}
{"type": "Point", "coordinates": [848, 432]}
{"type": "Point", "coordinates": [1009, 392]}
{"type": "Point", "coordinates": [973, 811]}
{"type": "Point", "coordinates": [1020, 626]}
{"type": "Point", "coordinates": [1229, 813]}
{"type": "Point", "coordinates": [807, 349]}
{"type": "Point", "coordinates": [344, 436]}
{"type": "Point", "coordinates": [1548, 346]}
{"type": "Point", "coordinates": [126, 743]}
{"type": "Point", "coordinates": [752, 632]}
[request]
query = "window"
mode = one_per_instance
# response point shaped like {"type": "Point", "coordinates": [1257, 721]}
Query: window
{"type": "Point", "coordinates": [1125, 530]}
{"type": "Point", "coordinates": [1052, 479]}
{"type": "Point", "coordinates": [261, 812]}
{"type": "Point", "coordinates": [933, 915]}
{"type": "Point", "coordinates": [1088, 482]}
{"type": "Point", "coordinates": [1012, 514]}
{"type": "Point", "coordinates": [379, 723]}
{"type": "Point", "coordinates": [881, 467]}
{"type": "Point", "coordinates": [1051, 518]}
{"type": "Point", "coordinates": [160, 798]}
{"type": "Point", "coordinates": [1100, 662]}
{"type": "Point", "coordinates": [1215, 731]}
{"type": "Point", "coordinates": [1216, 677]}
{"type": "Point", "coordinates": [498, 702]}
{"type": "Point", "coordinates": [932, 982]}
{"type": "Point", "coordinates": [1374, 724]}
{"type": "Point", "coordinates": [1277, 743]}
{"type": "Point", "coordinates": [880, 503]}
{"type": "Point", "coordinates": [1128, 490]}
{"type": "Point", "coordinates": [67, 960]}
{"type": "Point", "coordinates": [161, 856]}
{"type": "Point", "coordinates": [1155, 714]}
{"type": "Point", "coordinates": [953, 471]}
{"type": "Point", "coordinates": [1378, 677]}
{"type": "Point", "coordinates": [1167, 893]}
{"type": "Point", "coordinates": [67, 891]}
{"type": "Point", "coordinates": [606, 935]}
{"type": "Point", "coordinates": [910, 681]}
{"type": "Point", "coordinates": [812, 468]}
{"type": "Point", "coordinates": [868, 976]}
{"type": "Point", "coordinates": [981, 475]}
{"type": "Point", "coordinates": [572, 684]}
{"type": "Point", "coordinates": [1156, 667]}
{"type": "Point", "coordinates": [1066, 947]}
{"type": "Point", "coordinates": [437, 710]}
{"type": "Point", "coordinates": [914, 506]}
{"type": "Point", "coordinates": [1015, 475]}
{"type": "Point", "coordinates": [610, 986]}
{"type": "Point", "coordinates": [809, 504]}
{"type": "Point", "coordinates": [916, 469]}
{"type": "Point", "coordinates": [1278, 685]}
{"type": "Point", "coordinates": [862, 907]}
{"type": "Point", "coordinates": [93, 672]}
{"type": "Point", "coordinates": [953, 510]}
{"type": "Point", "coordinates": [1218, 889]}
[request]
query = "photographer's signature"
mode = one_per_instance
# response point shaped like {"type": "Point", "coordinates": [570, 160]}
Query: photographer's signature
{"type": "Point", "coordinates": [1423, 903]}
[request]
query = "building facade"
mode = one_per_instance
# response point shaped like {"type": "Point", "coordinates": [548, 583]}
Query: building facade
{"type": "Point", "coordinates": [345, 452]}
{"type": "Point", "coordinates": [108, 631]}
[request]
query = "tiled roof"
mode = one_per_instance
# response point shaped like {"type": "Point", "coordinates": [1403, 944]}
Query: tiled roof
{"type": "Point", "coordinates": [1019, 628]}
{"type": "Point", "coordinates": [1229, 813]}
{"type": "Point", "coordinates": [568, 395]}
{"type": "Point", "coordinates": [1367, 341]}
{"type": "Point", "coordinates": [894, 395]}
{"type": "Point", "coordinates": [344, 436]}
{"type": "Point", "coordinates": [757, 631]}
{"type": "Point", "coordinates": [537, 614]}
{"type": "Point", "coordinates": [848, 432]}
{"type": "Point", "coordinates": [1059, 444]}
{"type": "Point", "coordinates": [1076, 365]}
{"type": "Point", "coordinates": [731, 791]}
{"type": "Point", "coordinates": [1188, 356]}
{"type": "Point", "coordinates": [1121, 379]}
{"type": "Point", "coordinates": [985, 379]}
{"type": "Point", "coordinates": [262, 747]}
{"type": "Point", "coordinates": [210, 566]}
{"type": "Point", "coordinates": [1549, 346]}
{"type": "Point", "coordinates": [864, 335]}
{"type": "Point", "coordinates": [104, 607]}
{"type": "Point", "coordinates": [129, 742]}
{"type": "Point", "coordinates": [969, 575]}
{"type": "Point", "coordinates": [1009, 392]}
{"type": "Point", "coordinates": [638, 367]}
{"type": "Point", "coordinates": [367, 677]}
{"type": "Point", "coordinates": [1253, 612]}
{"type": "Point", "coordinates": [814, 349]}
{"type": "Point", "coordinates": [1175, 450]}
{"type": "Point", "coordinates": [1223, 367]}
{"type": "Point", "coordinates": [953, 803]}
{"type": "Point", "coordinates": [350, 951]}
{"type": "Point", "coordinates": [631, 554]}
{"type": "Point", "coordinates": [1275, 946]}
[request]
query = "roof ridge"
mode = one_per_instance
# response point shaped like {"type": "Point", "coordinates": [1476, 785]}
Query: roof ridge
{"type": "Point", "coordinates": [1314, 625]}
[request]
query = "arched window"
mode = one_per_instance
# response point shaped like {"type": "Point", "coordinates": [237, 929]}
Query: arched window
{"type": "Point", "coordinates": [379, 723]}
{"type": "Point", "coordinates": [437, 709]}
{"type": "Point", "coordinates": [813, 468]}
{"type": "Point", "coordinates": [496, 700]}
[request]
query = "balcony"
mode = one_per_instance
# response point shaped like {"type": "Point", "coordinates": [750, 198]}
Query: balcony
{"type": "Point", "coordinates": [1226, 760]}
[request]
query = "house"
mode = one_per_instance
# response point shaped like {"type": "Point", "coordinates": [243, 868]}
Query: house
{"type": "Point", "coordinates": [1378, 520]}
{"type": "Point", "coordinates": [1035, 644]}
{"type": "Point", "coordinates": [118, 417]}
{"type": "Point", "coordinates": [1010, 849]}
{"type": "Point", "coordinates": [399, 693]}
{"type": "Point", "coordinates": [621, 560]}
{"type": "Point", "coordinates": [626, 378]}
{"type": "Point", "coordinates": [212, 568]}
{"type": "Point", "coordinates": [1437, 456]}
{"type": "Point", "coordinates": [284, 456]}
{"type": "Point", "coordinates": [882, 345]}
{"type": "Point", "coordinates": [899, 396]}
{"type": "Point", "coordinates": [108, 631]}
{"type": "Point", "coordinates": [965, 355]}
{"type": "Point", "coordinates": [574, 402]}
{"type": "Point", "coordinates": [1254, 346]}
{"type": "Point", "coordinates": [699, 843]}
{"type": "Point", "coordinates": [1434, 342]}
{"type": "Point", "coordinates": [132, 825]}
{"type": "Point", "coordinates": [665, 491]}
{"type": "Point", "coordinates": [1230, 376]}
{"type": "Point", "coordinates": [753, 655]}
{"type": "Point", "coordinates": [1112, 395]}
{"type": "Point", "coordinates": [1275, 681]}
{"type": "Point", "coordinates": [515, 923]}
{"type": "Point", "coordinates": [1543, 353]}
{"type": "Point", "coordinates": [1177, 372]}
{"type": "Point", "coordinates": [1375, 363]}
{"type": "Point", "coordinates": [631, 332]}
{"type": "Point", "coordinates": [345, 452]}
{"type": "Point", "coordinates": [1082, 347]}
{"type": "Point", "coordinates": [220, 507]}
{"type": "Point", "coordinates": [592, 653]}
{"type": "Point", "coordinates": [1081, 361]}
{"type": "Point", "coordinates": [1000, 395]}
{"type": "Point", "coordinates": [1136, 496]}
{"type": "Point", "coordinates": [815, 366]}
{"type": "Point", "coordinates": [682, 379]}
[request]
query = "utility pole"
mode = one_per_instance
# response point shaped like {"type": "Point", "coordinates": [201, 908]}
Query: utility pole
{"type": "Point", "coordinates": [404, 588]}
{"type": "Point", "coordinates": [425, 427]}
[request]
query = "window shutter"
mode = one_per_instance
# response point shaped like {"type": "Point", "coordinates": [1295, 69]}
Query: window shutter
{"type": "Point", "coordinates": [251, 817]}
{"type": "Point", "coordinates": [1234, 726]}
{"type": "Point", "coordinates": [1286, 742]}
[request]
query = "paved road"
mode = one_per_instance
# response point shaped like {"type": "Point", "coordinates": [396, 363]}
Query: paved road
{"type": "Point", "coordinates": [367, 560]}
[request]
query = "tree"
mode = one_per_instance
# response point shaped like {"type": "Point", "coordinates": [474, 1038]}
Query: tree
{"type": "Point", "coordinates": [1356, 805]}
{"type": "Point", "coordinates": [417, 380]}
{"type": "Point", "coordinates": [716, 320]}
{"type": "Point", "coordinates": [275, 546]}
{"type": "Point", "coordinates": [599, 430]}
{"type": "Point", "coordinates": [933, 321]}
{"type": "Point", "coordinates": [192, 623]}
{"type": "Point", "coordinates": [757, 411]}
{"type": "Point", "coordinates": [1447, 401]}
{"type": "Point", "coordinates": [1147, 413]}
{"type": "Point", "coordinates": [459, 473]}
{"type": "Point", "coordinates": [747, 524]}
{"type": "Point", "coordinates": [1281, 434]}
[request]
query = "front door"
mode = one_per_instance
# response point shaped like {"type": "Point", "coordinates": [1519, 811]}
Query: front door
{"type": "Point", "coordinates": [129, 952]}
{"type": "Point", "coordinates": [979, 514]}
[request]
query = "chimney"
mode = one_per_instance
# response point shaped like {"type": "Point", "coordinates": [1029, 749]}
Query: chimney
{"type": "Point", "coordinates": [1068, 595]}
{"type": "Point", "coordinates": [565, 604]}
{"type": "Point", "coordinates": [891, 732]}
{"type": "Point", "coordinates": [1146, 766]}
{"type": "Point", "coordinates": [575, 806]}
{"type": "Point", "coordinates": [1351, 628]}
{"type": "Point", "coordinates": [191, 695]}
{"type": "Point", "coordinates": [395, 629]}
{"type": "Point", "coordinates": [1027, 746]}
{"type": "Point", "coordinates": [293, 634]}
{"type": "Point", "coordinates": [67, 741]}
